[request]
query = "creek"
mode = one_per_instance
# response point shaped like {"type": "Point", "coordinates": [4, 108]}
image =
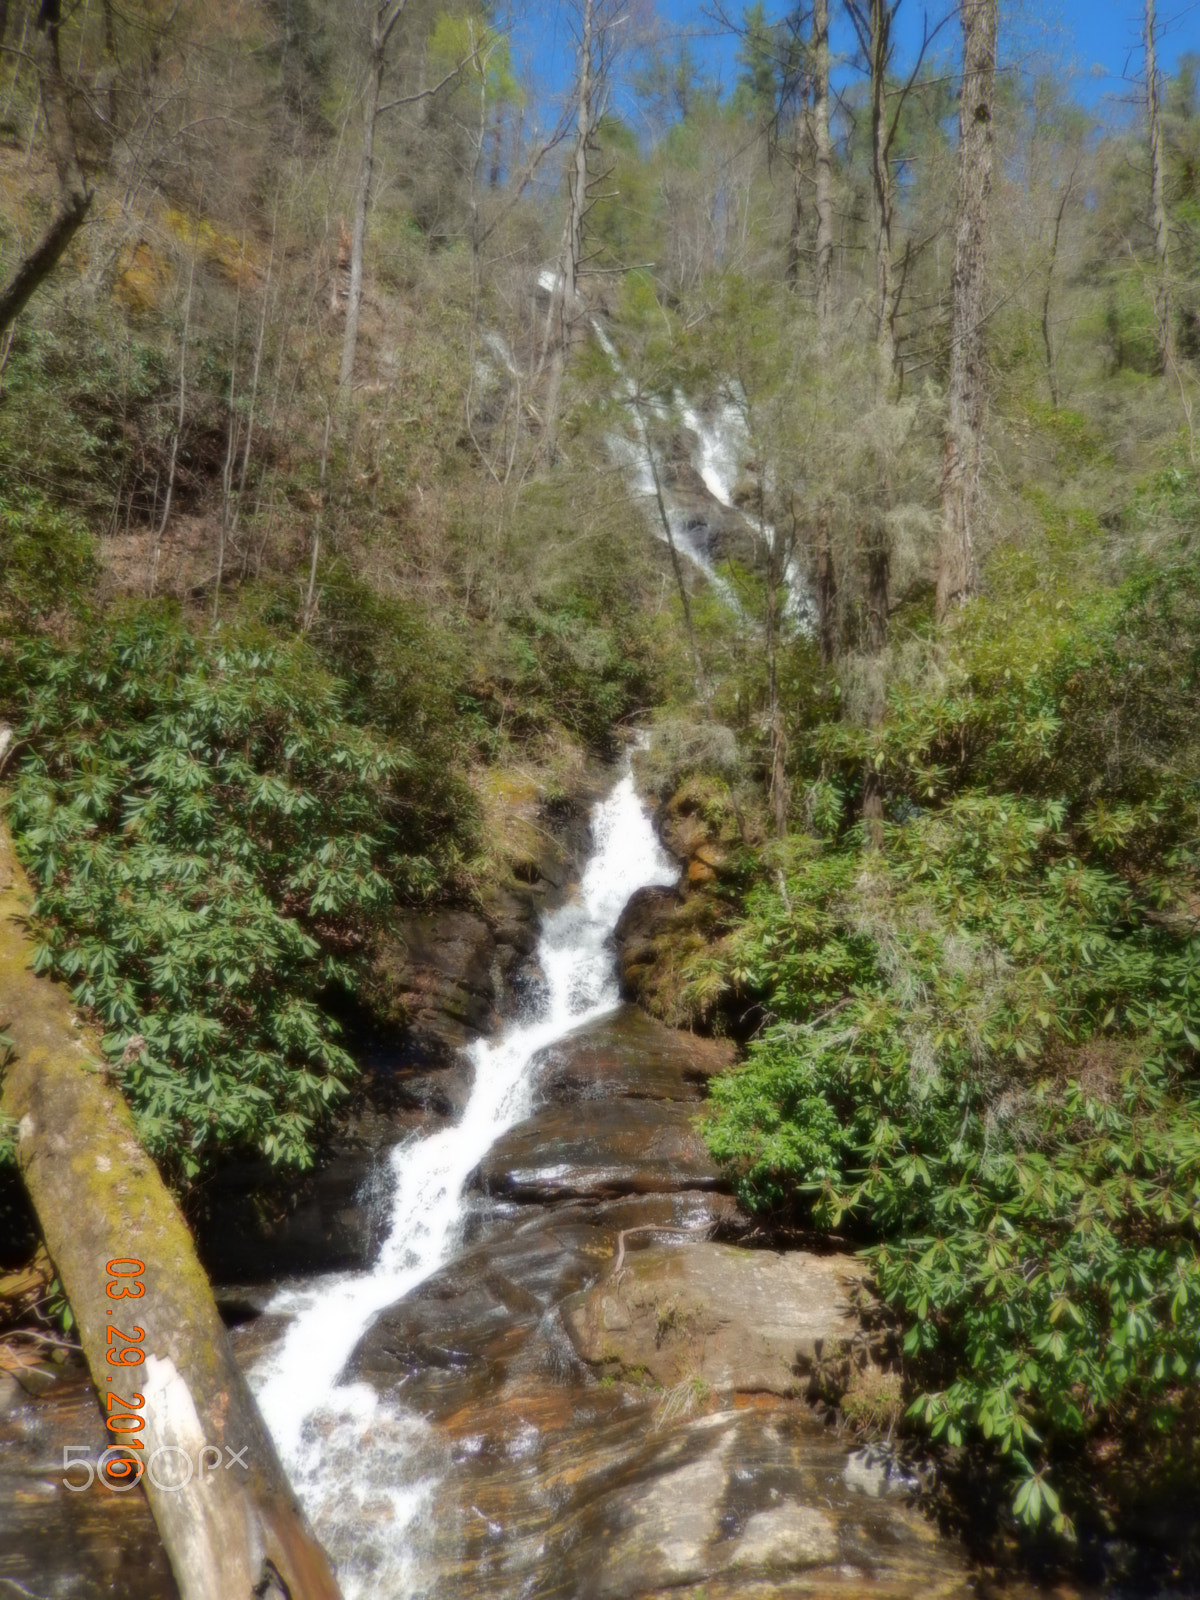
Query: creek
{"type": "Point", "coordinates": [434, 1412]}
{"type": "Point", "coordinates": [319, 1422]}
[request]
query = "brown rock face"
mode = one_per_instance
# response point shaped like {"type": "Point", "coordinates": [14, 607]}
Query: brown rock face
{"type": "Point", "coordinates": [598, 1150]}
{"type": "Point", "coordinates": [737, 1320]}
{"type": "Point", "coordinates": [630, 1054]}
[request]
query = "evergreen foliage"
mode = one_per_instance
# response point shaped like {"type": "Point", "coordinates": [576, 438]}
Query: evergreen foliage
{"type": "Point", "coordinates": [985, 1036]}
{"type": "Point", "coordinates": [212, 841]}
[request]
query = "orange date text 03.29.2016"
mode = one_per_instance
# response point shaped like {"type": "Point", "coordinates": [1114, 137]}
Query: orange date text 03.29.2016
{"type": "Point", "coordinates": [122, 1413]}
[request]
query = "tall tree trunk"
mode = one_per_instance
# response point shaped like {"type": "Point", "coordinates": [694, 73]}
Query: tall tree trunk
{"type": "Point", "coordinates": [74, 197]}
{"type": "Point", "coordinates": [795, 252]}
{"type": "Point", "coordinates": [825, 587]}
{"type": "Point", "coordinates": [962, 463]}
{"type": "Point", "coordinates": [1158, 206]}
{"type": "Point", "coordinates": [884, 205]}
{"type": "Point", "coordinates": [577, 183]}
{"type": "Point", "coordinates": [878, 572]}
{"type": "Point", "coordinates": [779, 784]}
{"type": "Point", "coordinates": [565, 325]}
{"type": "Point", "coordinates": [1047, 327]}
{"type": "Point", "coordinates": [362, 206]}
{"type": "Point", "coordinates": [824, 165]}
{"type": "Point", "coordinates": [664, 515]}
{"type": "Point", "coordinates": [232, 1528]}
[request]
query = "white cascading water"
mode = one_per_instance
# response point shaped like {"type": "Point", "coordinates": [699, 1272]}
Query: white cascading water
{"type": "Point", "coordinates": [365, 1468]}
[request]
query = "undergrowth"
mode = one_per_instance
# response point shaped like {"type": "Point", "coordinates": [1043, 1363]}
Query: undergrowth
{"type": "Point", "coordinates": [983, 1038]}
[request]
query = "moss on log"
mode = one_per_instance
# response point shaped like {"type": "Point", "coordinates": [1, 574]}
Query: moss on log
{"type": "Point", "coordinates": [235, 1530]}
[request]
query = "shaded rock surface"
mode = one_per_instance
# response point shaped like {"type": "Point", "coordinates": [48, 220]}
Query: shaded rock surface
{"type": "Point", "coordinates": [444, 977]}
{"type": "Point", "coordinates": [631, 1054]}
{"type": "Point", "coordinates": [62, 1543]}
{"type": "Point", "coordinates": [734, 1319]}
{"type": "Point", "coordinates": [599, 1149]}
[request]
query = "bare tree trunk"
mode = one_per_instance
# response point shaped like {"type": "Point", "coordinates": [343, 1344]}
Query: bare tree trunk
{"type": "Point", "coordinates": [1047, 329]}
{"type": "Point", "coordinates": [231, 443]}
{"type": "Point", "coordinates": [776, 564]}
{"type": "Point", "coordinates": [826, 590]}
{"type": "Point", "coordinates": [878, 571]}
{"type": "Point", "coordinates": [881, 176]}
{"type": "Point", "coordinates": [676, 565]}
{"type": "Point", "coordinates": [310, 599]}
{"type": "Point", "coordinates": [577, 190]}
{"type": "Point", "coordinates": [962, 463]}
{"type": "Point", "coordinates": [232, 1528]}
{"type": "Point", "coordinates": [795, 253]}
{"type": "Point", "coordinates": [362, 205]}
{"type": "Point", "coordinates": [1158, 207]}
{"type": "Point", "coordinates": [179, 421]}
{"type": "Point", "coordinates": [564, 324]}
{"type": "Point", "coordinates": [824, 164]}
{"type": "Point", "coordinates": [74, 197]}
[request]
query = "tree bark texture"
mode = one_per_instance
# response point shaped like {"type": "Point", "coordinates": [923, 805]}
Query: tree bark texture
{"type": "Point", "coordinates": [824, 164]}
{"type": "Point", "coordinates": [881, 176]}
{"type": "Point", "coordinates": [1158, 206]}
{"type": "Point", "coordinates": [362, 205]}
{"type": "Point", "coordinates": [962, 462]}
{"type": "Point", "coordinates": [74, 197]}
{"type": "Point", "coordinates": [825, 589]}
{"type": "Point", "coordinates": [878, 607]}
{"type": "Point", "coordinates": [232, 1532]}
{"type": "Point", "coordinates": [564, 311]}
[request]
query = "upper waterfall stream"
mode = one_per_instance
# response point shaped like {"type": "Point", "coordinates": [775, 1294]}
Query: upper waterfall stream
{"type": "Point", "coordinates": [365, 1469]}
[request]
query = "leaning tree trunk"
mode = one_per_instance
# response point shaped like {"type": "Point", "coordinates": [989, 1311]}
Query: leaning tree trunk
{"type": "Point", "coordinates": [74, 198]}
{"type": "Point", "coordinates": [234, 1530]}
{"type": "Point", "coordinates": [962, 463]}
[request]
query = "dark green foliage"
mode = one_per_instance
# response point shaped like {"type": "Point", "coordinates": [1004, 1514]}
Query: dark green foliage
{"type": "Point", "coordinates": [212, 842]}
{"type": "Point", "coordinates": [985, 1037]}
{"type": "Point", "coordinates": [588, 671]}
{"type": "Point", "coordinates": [47, 559]}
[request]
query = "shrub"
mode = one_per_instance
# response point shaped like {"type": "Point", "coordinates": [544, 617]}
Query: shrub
{"type": "Point", "coordinates": [212, 842]}
{"type": "Point", "coordinates": [983, 1043]}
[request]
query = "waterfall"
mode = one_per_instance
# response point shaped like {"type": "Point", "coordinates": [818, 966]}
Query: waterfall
{"type": "Point", "coordinates": [365, 1468]}
{"type": "Point", "coordinates": [722, 445]}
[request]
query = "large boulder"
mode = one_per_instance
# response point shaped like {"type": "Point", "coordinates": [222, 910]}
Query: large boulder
{"type": "Point", "coordinates": [747, 1321]}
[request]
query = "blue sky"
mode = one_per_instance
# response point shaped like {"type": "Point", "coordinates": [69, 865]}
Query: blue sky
{"type": "Point", "coordinates": [1096, 42]}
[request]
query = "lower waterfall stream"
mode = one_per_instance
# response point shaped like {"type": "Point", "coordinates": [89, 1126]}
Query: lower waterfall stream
{"type": "Point", "coordinates": [365, 1470]}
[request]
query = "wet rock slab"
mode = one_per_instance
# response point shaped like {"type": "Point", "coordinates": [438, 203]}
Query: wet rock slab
{"type": "Point", "coordinates": [609, 1505]}
{"type": "Point", "coordinates": [465, 1329]}
{"type": "Point", "coordinates": [737, 1320]}
{"type": "Point", "coordinates": [597, 1149]}
{"type": "Point", "coordinates": [630, 1054]}
{"type": "Point", "coordinates": [58, 1543]}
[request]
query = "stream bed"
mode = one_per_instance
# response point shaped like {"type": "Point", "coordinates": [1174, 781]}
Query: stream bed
{"type": "Point", "coordinates": [562, 1376]}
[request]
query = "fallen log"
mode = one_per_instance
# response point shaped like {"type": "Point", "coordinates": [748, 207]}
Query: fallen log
{"type": "Point", "coordinates": [151, 1334]}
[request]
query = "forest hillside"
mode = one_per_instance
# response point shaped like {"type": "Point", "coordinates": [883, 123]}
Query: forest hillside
{"type": "Point", "coordinates": [391, 422]}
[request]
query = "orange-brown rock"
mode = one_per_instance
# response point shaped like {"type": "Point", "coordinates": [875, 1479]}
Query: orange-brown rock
{"type": "Point", "coordinates": [733, 1319]}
